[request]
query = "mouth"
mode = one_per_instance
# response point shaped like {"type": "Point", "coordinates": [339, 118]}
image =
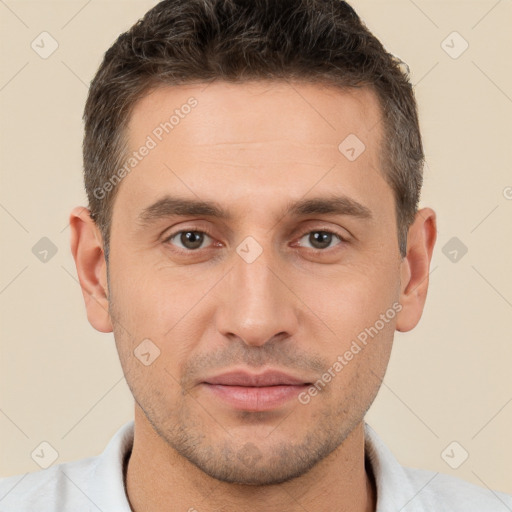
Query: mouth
{"type": "Point", "coordinates": [255, 392]}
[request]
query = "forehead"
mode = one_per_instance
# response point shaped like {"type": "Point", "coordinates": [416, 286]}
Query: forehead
{"type": "Point", "coordinates": [238, 141]}
{"type": "Point", "coordinates": [309, 113]}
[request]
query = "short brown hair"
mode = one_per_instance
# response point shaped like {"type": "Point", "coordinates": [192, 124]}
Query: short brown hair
{"type": "Point", "coordinates": [193, 41]}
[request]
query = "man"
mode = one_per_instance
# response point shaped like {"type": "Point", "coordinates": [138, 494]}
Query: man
{"type": "Point", "coordinates": [253, 241]}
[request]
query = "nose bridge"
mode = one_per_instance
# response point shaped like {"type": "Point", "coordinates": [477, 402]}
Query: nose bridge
{"type": "Point", "coordinates": [256, 304]}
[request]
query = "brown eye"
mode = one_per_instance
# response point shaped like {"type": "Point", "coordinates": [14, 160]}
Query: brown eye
{"type": "Point", "coordinates": [320, 240]}
{"type": "Point", "coordinates": [189, 239]}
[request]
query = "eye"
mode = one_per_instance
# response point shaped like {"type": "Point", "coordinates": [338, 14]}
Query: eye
{"type": "Point", "coordinates": [321, 239]}
{"type": "Point", "coordinates": [189, 239]}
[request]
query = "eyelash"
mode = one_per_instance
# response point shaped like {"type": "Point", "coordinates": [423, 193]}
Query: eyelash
{"type": "Point", "coordinates": [208, 233]}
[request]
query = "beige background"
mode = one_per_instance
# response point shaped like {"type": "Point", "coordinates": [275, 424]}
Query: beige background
{"type": "Point", "coordinates": [448, 380]}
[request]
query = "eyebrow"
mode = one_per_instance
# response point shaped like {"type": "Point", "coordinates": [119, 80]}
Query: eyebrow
{"type": "Point", "coordinates": [170, 206]}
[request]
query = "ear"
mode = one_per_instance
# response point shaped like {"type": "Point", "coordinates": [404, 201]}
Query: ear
{"type": "Point", "coordinates": [414, 269]}
{"type": "Point", "coordinates": [87, 250]}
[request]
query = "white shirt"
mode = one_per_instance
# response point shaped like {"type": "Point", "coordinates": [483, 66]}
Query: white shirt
{"type": "Point", "coordinates": [97, 484]}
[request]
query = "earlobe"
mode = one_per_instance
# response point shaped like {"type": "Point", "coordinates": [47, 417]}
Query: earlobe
{"type": "Point", "coordinates": [415, 267]}
{"type": "Point", "coordinates": [87, 250]}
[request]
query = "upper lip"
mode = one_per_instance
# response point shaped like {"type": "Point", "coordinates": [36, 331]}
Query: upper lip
{"type": "Point", "coordinates": [244, 378]}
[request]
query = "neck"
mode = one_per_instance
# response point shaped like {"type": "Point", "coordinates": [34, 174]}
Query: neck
{"type": "Point", "coordinates": [159, 479]}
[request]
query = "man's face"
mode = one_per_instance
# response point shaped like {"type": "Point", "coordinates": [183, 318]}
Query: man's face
{"type": "Point", "coordinates": [266, 289]}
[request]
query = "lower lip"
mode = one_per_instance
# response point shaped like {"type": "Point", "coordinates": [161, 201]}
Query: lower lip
{"type": "Point", "coordinates": [256, 398]}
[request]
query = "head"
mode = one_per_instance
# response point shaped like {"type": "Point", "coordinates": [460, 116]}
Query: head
{"type": "Point", "coordinates": [253, 172]}
{"type": "Point", "coordinates": [312, 41]}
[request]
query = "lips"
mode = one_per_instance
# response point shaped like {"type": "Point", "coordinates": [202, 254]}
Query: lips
{"type": "Point", "coordinates": [255, 392]}
{"type": "Point", "coordinates": [269, 378]}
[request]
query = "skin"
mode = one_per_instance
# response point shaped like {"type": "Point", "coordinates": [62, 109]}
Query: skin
{"type": "Point", "coordinates": [253, 148]}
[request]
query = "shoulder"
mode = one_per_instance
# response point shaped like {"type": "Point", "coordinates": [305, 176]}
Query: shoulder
{"type": "Point", "coordinates": [441, 492]}
{"type": "Point", "coordinates": [49, 489]}
{"type": "Point", "coordinates": [417, 490]}
{"type": "Point", "coordinates": [90, 484]}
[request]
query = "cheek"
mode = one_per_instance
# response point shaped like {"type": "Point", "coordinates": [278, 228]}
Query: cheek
{"type": "Point", "coordinates": [356, 371]}
{"type": "Point", "coordinates": [156, 299]}
{"type": "Point", "coordinates": [361, 309]}
{"type": "Point", "coordinates": [160, 305]}
{"type": "Point", "coordinates": [353, 300]}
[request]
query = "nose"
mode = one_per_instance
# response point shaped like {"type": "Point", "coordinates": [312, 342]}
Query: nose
{"type": "Point", "coordinates": [256, 302]}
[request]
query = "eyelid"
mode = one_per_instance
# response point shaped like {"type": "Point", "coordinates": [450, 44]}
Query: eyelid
{"type": "Point", "coordinates": [324, 229]}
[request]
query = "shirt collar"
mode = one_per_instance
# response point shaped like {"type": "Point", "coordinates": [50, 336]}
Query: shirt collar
{"type": "Point", "coordinates": [107, 486]}
{"type": "Point", "coordinates": [395, 491]}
